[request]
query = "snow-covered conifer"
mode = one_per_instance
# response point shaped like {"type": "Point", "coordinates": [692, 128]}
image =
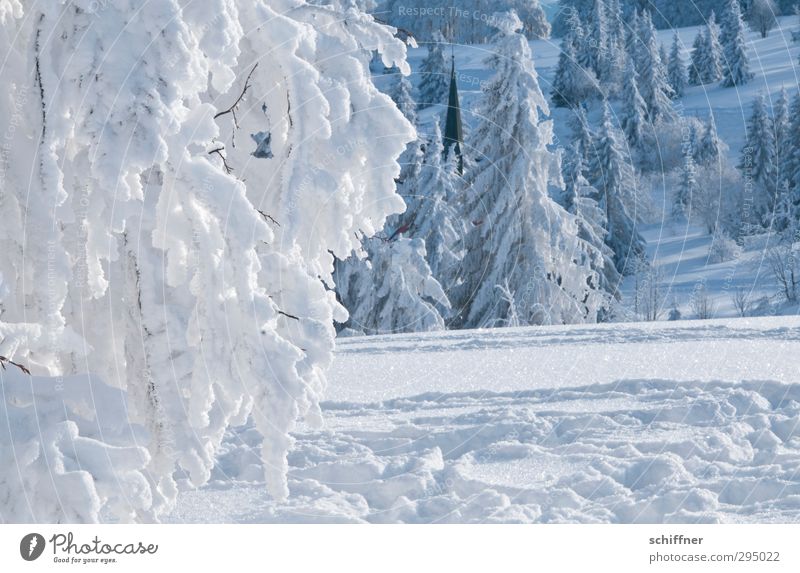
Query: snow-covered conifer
{"type": "Point", "coordinates": [686, 188]}
{"type": "Point", "coordinates": [780, 125]}
{"type": "Point", "coordinates": [735, 64]}
{"type": "Point", "coordinates": [572, 83]}
{"type": "Point", "coordinates": [434, 74]}
{"type": "Point", "coordinates": [653, 84]}
{"type": "Point", "coordinates": [709, 147]}
{"type": "Point", "coordinates": [401, 95]}
{"type": "Point", "coordinates": [698, 59]}
{"type": "Point", "coordinates": [393, 290]}
{"type": "Point", "coordinates": [676, 70]}
{"type": "Point", "coordinates": [634, 112]}
{"type": "Point", "coordinates": [791, 155]}
{"type": "Point", "coordinates": [612, 174]}
{"type": "Point", "coordinates": [757, 161]}
{"type": "Point", "coordinates": [712, 66]}
{"type": "Point", "coordinates": [518, 237]}
{"type": "Point", "coordinates": [580, 199]}
{"type": "Point", "coordinates": [430, 216]}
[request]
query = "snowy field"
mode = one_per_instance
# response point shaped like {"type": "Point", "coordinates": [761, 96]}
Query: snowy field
{"type": "Point", "coordinates": [693, 421]}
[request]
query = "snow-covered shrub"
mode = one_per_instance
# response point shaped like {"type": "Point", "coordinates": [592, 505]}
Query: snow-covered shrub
{"type": "Point", "coordinates": [723, 248]}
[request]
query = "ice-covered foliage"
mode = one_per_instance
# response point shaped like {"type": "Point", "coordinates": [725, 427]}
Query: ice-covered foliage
{"type": "Point", "coordinates": [393, 289]}
{"type": "Point", "coordinates": [152, 243]}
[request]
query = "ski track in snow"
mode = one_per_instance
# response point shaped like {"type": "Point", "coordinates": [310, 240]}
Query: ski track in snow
{"type": "Point", "coordinates": [629, 450]}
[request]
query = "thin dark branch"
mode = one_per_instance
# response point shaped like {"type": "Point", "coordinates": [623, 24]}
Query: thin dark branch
{"type": "Point", "coordinates": [218, 151]}
{"type": "Point", "coordinates": [232, 110]}
{"type": "Point", "coordinates": [287, 315]}
{"type": "Point", "coordinates": [3, 361]}
{"type": "Point", "coordinates": [268, 217]}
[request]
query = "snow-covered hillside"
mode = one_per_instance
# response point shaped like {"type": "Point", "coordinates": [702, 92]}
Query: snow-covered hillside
{"type": "Point", "coordinates": [684, 421]}
{"type": "Point", "coordinates": [682, 252]}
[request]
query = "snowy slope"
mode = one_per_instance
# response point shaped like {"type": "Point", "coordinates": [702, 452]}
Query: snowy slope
{"type": "Point", "coordinates": [695, 421]}
{"type": "Point", "coordinates": [773, 60]}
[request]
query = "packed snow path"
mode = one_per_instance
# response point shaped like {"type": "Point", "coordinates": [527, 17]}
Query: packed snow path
{"type": "Point", "coordinates": [505, 433]}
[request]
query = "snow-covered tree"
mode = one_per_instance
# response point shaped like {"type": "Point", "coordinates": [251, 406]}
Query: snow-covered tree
{"type": "Point", "coordinates": [518, 238]}
{"type": "Point", "coordinates": [757, 161]}
{"type": "Point", "coordinates": [698, 59]}
{"type": "Point", "coordinates": [597, 40]}
{"type": "Point", "coordinates": [392, 290]}
{"type": "Point", "coordinates": [581, 199]}
{"type": "Point", "coordinates": [572, 83]}
{"type": "Point", "coordinates": [686, 189]}
{"type": "Point", "coordinates": [709, 148]}
{"type": "Point", "coordinates": [781, 126]}
{"type": "Point", "coordinates": [676, 70]}
{"type": "Point", "coordinates": [762, 16]}
{"type": "Point", "coordinates": [791, 156]}
{"type": "Point", "coordinates": [735, 65]}
{"type": "Point", "coordinates": [190, 273]}
{"type": "Point", "coordinates": [712, 67]}
{"type": "Point", "coordinates": [634, 111]}
{"type": "Point", "coordinates": [434, 74]}
{"type": "Point", "coordinates": [583, 137]}
{"type": "Point", "coordinates": [401, 95]}
{"type": "Point", "coordinates": [535, 24]}
{"type": "Point", "coordinates": [430, 214]}
{"type": "Point", "coordinates": [632, 39]}
{"type": "Point", "coordinates": [612, 174]}
{"type": "Point", "coordinates": [653, 84]}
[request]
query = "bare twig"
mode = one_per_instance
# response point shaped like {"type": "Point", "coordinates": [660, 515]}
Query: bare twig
{"type": "Point", "coordinates": [268, 217]}
{"type": "Point", "coordinates": [3, 361]}
{"type": "Point", "coordinates": [218, 151]}
{"type": "Point", "coordinates": [232, 110]}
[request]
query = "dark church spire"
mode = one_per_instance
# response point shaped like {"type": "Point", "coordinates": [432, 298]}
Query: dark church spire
{"type": "Point", "coordinates": [453, 133]}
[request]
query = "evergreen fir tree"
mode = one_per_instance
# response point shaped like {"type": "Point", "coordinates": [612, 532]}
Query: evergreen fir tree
{"type": "Point", "coordinates": [611, 173]}
{"type": "Point", "coordinates": [758, 156]}
{"type": "Point", "coordinates": [653, 85]}
{"type": "Point", "coordinates": [582, 136]}
{"type": "Point", "coordinates": [791, 156]}
{"type": "Point", "coordinates": [735, 65]}
{"type": "Point", "coordinates": [597, 43]}
{"type": "Point", "coordinates": [632, 40]}
{"type": "Point", "coordinates": [687, 187]}
{"type": "Point", "coordinates": [430, 215]}
{"type": "Point", "coordinates": [571, 84]}
{"type": "Point", "coordinates": [698, 59]}
{"type": "Point", "coordinates": [392, 290]}
{"type": "Point", "coordinates": [580, 199]}
{"type": "Point", "coordinates": [708, 150]}
{"type": "Point", "coordinates": [780, 125]}
{"type": "Point", "coordinates": [519, 239]}
{"type": "Point", "coordinates": [401, 95]}
{"type": "Point", "coordinates": [712, 64]}
{"type": "Point", "coordinates": [435, 74]}
{"type": "Point", "coordinates": [634, 112]}
{"type": "Point", "coordinates": [676, 71]}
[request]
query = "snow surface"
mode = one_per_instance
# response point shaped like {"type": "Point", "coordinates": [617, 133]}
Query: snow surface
{"type": "Point", "coordinates": [688, 421]}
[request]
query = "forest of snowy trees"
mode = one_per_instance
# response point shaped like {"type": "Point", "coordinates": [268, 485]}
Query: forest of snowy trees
{"type": "Point", "coordinates": [533, 235]}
